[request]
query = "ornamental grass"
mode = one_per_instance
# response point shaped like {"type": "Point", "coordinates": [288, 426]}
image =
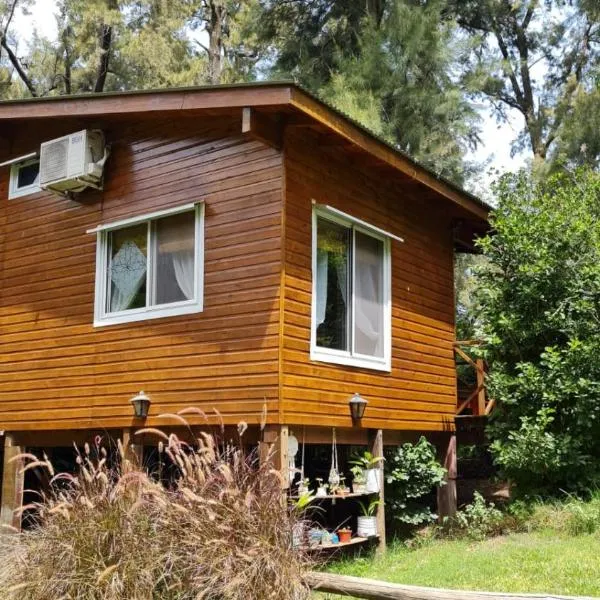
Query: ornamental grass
{"type": "Point", "coordinates": [218, 530]}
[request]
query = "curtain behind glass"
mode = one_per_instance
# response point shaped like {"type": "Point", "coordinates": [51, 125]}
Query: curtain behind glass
{"type": "Point", "coordinates": [128, 267]}
{"type": "Point", "coordinates": [368, 296]}
{"type": "Point", "coordinates": [175, 258]}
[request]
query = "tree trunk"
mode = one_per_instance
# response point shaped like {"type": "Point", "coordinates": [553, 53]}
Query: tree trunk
{"type": "Point", "coordinates": [218, 13]}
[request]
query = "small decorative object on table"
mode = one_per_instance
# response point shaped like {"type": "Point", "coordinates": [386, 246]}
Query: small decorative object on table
{"type": "Point", "coordinates": [321, 488]}
{"type": "Point", "coordinates": [325, 538]}
{"type": "Point", "coordinates": [345, 535]}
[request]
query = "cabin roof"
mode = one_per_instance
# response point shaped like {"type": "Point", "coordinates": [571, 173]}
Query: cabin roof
{"type": "Point", "coordinates": [302, 109]}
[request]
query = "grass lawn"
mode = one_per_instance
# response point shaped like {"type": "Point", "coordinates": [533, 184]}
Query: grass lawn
{"type": "Point", "coordinates": [543, 561]}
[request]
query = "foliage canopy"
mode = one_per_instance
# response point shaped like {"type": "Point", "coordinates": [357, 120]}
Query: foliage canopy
{"type": "Point", "coordinates": [538, 298]}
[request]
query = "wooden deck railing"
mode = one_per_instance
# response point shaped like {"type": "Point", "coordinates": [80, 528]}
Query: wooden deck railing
{"type": "Point", "coordinates": [473, 397]}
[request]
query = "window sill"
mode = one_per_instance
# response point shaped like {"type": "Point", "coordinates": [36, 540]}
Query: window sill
{"type": "Point", "coordinates": [351, 361]}
{"type": "Point", "coordinates": [24, 191]}
{"type": "Point", "coordinates": [148, 314]}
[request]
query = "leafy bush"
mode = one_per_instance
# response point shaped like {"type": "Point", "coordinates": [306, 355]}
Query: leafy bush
{"type": "Point", "coordinates": [412, 473]}
{"type": "Point", "coordinates": [539, 314]}
{"type": "Point", "coordinates": [219, 531]}
{"type": "Point", "coordinates": [477, 520]}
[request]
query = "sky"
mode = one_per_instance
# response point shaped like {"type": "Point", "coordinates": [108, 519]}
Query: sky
{"type": "Point", "coordinates": [496, 137]}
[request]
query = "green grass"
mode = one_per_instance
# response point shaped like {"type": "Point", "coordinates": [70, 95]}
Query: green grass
{"type": "Point", "coordinates": [542, 561]}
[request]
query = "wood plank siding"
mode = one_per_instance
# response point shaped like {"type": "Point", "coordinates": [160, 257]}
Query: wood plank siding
{"type": "Point", "coordinates": [420, 391]}
{"type": "Point", "coordinates": [257, 158]}
{"type": "Point", "coordinates": [59, 372]}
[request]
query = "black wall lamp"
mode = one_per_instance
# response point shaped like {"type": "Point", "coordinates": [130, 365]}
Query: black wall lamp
{"type": "Point", "coordinates": [141, 405]}
{"type": "Point", "coordinates": [357, 406]}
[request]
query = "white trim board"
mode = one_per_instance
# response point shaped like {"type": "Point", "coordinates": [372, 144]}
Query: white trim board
{"type": "Point", "coordinates": [356, 220]}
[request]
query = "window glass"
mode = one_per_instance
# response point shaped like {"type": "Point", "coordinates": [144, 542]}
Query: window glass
{"type": "Point", "coordinates": [351, 301]}
{"type": "Point", "coordinates": [368, 295]}
{"type": "Point", "coordinates": [28, 174]}
{"type": "Point", "coordinates": [128, 268]}
{"type": "Point", "coordinates": [175, 258]}
{"type": "Point", "coordinates": [333, 285]}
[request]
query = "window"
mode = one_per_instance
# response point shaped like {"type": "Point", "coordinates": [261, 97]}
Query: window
{"type": "Point", "coordinates": [150, 267]}
{"type": "Point", "coordinates": [24, 178]}
{"type": "Point", "coordinates": [351, 306]}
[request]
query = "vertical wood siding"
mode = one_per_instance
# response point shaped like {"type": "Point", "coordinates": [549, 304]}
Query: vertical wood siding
{"type": "Point", "coordinates": [420, 391]}
{"type": "Point", "coordinates": [56, 370]}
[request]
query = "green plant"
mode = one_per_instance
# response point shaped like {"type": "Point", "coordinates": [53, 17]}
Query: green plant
{"type": "Point", "coordinates": [358, 474]}
{"type": "Point", "coordinates": [366, 461]}
{"type": "Point", "coordinates": [219, 531]}
{"type": "Point", "coordinates": [539, 316]}
{"type": "Point", "coordinates": [477, 520]}
{"type": "Point", "coordinates": [369, 510]}
{"type": "Point", "coordinates": [412, 474]}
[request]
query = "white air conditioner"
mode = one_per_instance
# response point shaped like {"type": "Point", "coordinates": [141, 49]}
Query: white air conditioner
{"type": "Point", "coordinates": [74, 162]}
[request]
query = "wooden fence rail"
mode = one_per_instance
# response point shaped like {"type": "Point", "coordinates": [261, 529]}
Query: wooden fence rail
{"type": "Point", "coordinates": [379, 590]}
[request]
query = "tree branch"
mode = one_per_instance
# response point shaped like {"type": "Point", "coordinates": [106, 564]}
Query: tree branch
{"type": "Point", "coordinates": [18, 68]}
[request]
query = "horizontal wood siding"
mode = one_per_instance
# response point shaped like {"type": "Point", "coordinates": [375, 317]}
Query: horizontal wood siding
{"type": "Point", "coordinates": [419, 393]}
{"type": "Point", "coordinates": [56, 370]}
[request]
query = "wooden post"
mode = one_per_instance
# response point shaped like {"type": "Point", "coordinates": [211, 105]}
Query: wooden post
{"type": "Point", "coordinates": [481, 387]}
{"type": "Point", "coordinates": [376, 448]}
{"type": "Point", "coordinates": [12, 486]}
{"type": "Point", "coordinates": [446, 495]}
{"type": "Point", "coordinates": [133, 448]}
{"type": "Point", "coordinates": [274, 447]}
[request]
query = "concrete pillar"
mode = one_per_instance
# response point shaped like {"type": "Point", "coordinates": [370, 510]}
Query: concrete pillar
{"type": "Point", "coordinates": [446, 495]}
{"type": "Point", "coordinates": [376, 449]}
{"type": "Point", "coordinates": [12, 486]}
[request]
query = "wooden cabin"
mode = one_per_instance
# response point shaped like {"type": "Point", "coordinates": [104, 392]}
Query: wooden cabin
{"type": "Point", "coordinates": [227, 248]}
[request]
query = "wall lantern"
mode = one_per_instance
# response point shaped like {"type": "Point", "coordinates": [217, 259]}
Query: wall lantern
{"type": "Point", "coordinates": [357, 406]}
{"type": "Point", "coordinates": [141, 404]}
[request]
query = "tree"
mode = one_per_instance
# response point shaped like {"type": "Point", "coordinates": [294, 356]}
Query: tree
{"type": "Point", "coordinates": [386, 63]}
{"type": "Point", "coordinates": [539, 313]}
{"type": "Point", "coordinates": [107, 45]}
{"type": "Point", "coordinates": [532, 56]}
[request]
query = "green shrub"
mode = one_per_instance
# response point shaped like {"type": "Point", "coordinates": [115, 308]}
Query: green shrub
{"type": "Point", "coordinates": [477, 520]}
{"type": "Point", "coordinates": [575, 516]}
{"type": "Point", "coordinates": [218, 532]}
{"type": "Point", "coordinates": [412, 473]}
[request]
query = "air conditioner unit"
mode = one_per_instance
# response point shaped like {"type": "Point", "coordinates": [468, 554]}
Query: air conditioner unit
{"type": "Point", "coordinates": [74, 162]}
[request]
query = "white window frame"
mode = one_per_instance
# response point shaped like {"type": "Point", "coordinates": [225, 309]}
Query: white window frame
{"type": "Point", "coordinates": [344, 357]}
{"type": "Point", "coordinates": [14, 191]}
{"type": "Point", "coordinates": [171, 309]}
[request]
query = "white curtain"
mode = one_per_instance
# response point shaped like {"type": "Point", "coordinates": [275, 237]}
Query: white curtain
{"type": "Point", "coordinates": [183, 265]}
{"type": "Point", "coordinates": [175, 262]}
{"type": "Point", "coordinates": [368, 301]}
{"type": "Point", "coordinates": [322, 268]}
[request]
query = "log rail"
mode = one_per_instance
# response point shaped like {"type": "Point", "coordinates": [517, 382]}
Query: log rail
{"type": "Point", "coordinates": [372, 589]}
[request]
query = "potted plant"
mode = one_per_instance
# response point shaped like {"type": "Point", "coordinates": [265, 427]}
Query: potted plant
{"type": "Point", "coordinates": [359, 480]}
{"type": "Point", "coordinates": [345, 535]}
{"type": "Point", "coordinates": [303, 486]}
{"type": "Point", "coordinates": [367, 522]}
{"type": "Point", "coordinates": [321, 488]}
{"type": "Point", "coordinates": [370, 465]}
